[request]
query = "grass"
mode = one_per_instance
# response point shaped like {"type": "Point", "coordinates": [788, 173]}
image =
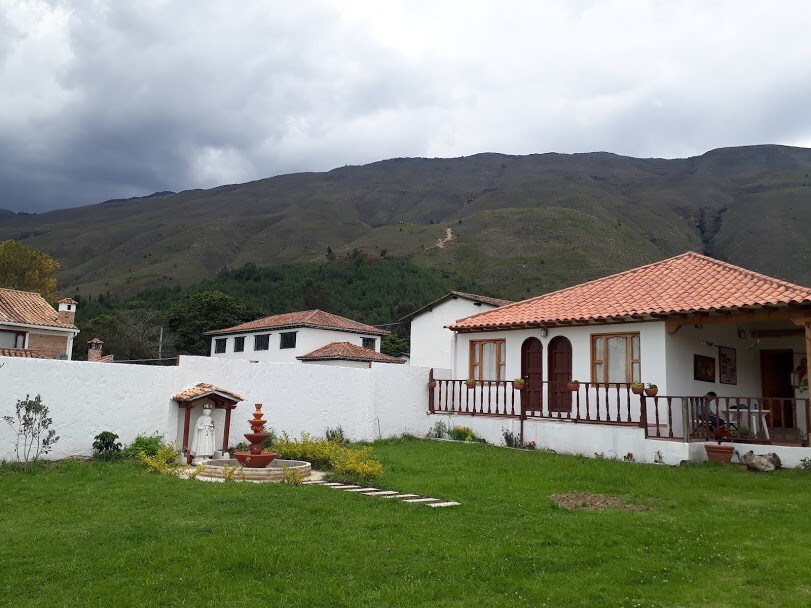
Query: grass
{"type": "Point", "coordinates": [110, 534]}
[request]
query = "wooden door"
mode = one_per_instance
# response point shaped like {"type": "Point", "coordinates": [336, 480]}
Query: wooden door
{"type": "Point", "coordinates": [560, 373]}
{"type": "Point", "coordinates": [532, 373]}
{"type": "Point", "coordinates": [775, 381]}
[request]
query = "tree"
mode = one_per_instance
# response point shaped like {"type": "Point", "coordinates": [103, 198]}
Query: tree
{"type": "Point", "coordinates": [393, 345]}
{"type": "Point", "coordinates": [27, 269]}
{"type": "Point", "coordinates": [201, 312]}
{"type": "Point", "coordinates": [127, 334]}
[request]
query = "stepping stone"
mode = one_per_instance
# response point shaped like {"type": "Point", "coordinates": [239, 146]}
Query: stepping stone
{"type": "Point", "coordinates": [396, 495]}
{"type": "Point", "coordinates": [423, 500]}
{"type": "Point", "coordinates": [343, 487]}
{"type": "Point", "coordinates": [448, 503]}
{"type": "Point", "coordinates": [357, 489]}
{"type": "Point", "coordinates": [333, 484]}
{"type": "Point", "coordinates": [381, 493]}
{"type": "Point", "coordinates": [314, 482]}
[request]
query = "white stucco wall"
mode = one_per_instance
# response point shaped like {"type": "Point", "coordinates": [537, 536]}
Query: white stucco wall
{"type": "Point", "coordinates": [431, 343]}
{"type": "Point", "coordinates": [308, 339]}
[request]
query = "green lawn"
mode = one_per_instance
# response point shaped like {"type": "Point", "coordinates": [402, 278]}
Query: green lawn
{"type": "Point", "coordinates": [110, 534]}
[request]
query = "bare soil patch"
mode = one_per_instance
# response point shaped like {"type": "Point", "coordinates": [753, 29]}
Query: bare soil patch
{"type": "Point", "coordinates": [595, 502]}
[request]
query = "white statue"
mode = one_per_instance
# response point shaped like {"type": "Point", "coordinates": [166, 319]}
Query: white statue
{"type": "Point", "coordinates": [203, 442]}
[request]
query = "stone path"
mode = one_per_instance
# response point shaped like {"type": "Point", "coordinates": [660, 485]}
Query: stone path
{"type": "Point", "coordinates": [407, 498]}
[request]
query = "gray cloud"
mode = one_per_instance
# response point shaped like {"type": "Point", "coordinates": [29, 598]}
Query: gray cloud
{"type": "Point", "coordinates": [106, 99]}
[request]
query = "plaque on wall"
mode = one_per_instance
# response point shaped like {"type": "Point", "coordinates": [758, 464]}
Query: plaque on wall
{"type": "Point", "coordinates": [727, 365]}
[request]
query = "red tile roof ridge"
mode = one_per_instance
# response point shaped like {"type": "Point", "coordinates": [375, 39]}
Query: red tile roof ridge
{"type": "Point", "coordinates": [486, 299]}
{"type": "Point", "coordinates": [303, 318]}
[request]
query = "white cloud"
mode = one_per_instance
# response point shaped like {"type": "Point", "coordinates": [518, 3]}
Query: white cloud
{"type": "Point", "coordinates": [106, 99]}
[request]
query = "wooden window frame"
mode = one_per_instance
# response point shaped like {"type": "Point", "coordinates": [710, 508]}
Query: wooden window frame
{"type": "Point", "coordinates": [256, 342]}
{"type": "Point", "coordinates": [220, 342]}
{"type": "Point", "coordinates": [285, 335]}
{"type": "Point", "coordinates": [239, 344]}
{"type": "Point", "coordinates": [629, 352]}
{"type": "Point", "coordinates": [364, 341]}
{"type": "Point", "coordinates": [474, 368]}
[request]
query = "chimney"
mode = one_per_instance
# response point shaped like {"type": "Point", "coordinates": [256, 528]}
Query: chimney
{"type": "Point", "coordinates": [67, 311]}
{"type": "Point", "coordinates": [94, 347]}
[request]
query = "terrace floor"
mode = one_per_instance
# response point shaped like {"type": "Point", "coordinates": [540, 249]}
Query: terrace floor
{"type": "Point", "coordinates": [110, 534]}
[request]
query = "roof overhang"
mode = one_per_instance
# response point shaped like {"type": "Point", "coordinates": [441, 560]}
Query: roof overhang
{"type": "Point", "coordinates": [450, 296]}
{"type": "Point", "coordinates": [72, 330]}
{"type": "Point", "coordinates": [259, 330]}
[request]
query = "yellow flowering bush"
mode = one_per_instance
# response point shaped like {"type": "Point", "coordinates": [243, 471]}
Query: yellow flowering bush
{"type": "Point", "coordinates": [164, 461]}
{"type": "Point", "coordinates": [329, 455]}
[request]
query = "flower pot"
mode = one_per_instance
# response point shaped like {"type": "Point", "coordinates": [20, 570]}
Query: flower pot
{"type": "Point", "coordinates": [719, 453]}
{"type": "Point", "coordinates": [651, 392]}
{"type": "Point", "coordinates": [471, 385]}
{"type": "Point", "coordinates": [573, 386]}
{"type": "Point", "coordinates": [637, 390]}
{"type": "Point", "coordinates": [519, 386]}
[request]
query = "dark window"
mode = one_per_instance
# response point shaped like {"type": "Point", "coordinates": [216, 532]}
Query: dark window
{"type": "Point", "coordinates": [219, 345]}
{"type": "Point", "coordinates": [261, 342]}
{"type": "Point", "coordinates": [369, 343]}
{"type": "Point", "coordinates": [287, 339]}
{"type": "Point", "coordinates": [239, 344]}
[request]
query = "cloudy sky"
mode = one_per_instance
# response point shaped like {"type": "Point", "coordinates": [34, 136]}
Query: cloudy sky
{"type": "Point", "coordinates": [103, 99]}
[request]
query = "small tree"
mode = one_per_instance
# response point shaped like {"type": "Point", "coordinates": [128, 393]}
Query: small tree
{"type": "Point", "coordinates": [32, 425]}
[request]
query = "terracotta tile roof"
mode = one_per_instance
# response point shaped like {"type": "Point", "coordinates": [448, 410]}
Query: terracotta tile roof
{"type": "Point", "coordinates": [307, 318]}
{"type": "Point", "coordinates": [68, 301]}
{"type": "Point", "coordinates": [344, 351]}
{"type": "Point", "coordinates": [687, 283]}
{"type": "Point", "coordinates": [28, 308]}
{"type": "Point", "coordinates": [201, 389]}
{"type": "Point", "coordinates": [20, 352]}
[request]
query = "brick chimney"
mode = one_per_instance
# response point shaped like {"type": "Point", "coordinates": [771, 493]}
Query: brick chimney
{"type": "Point", "coordinates": [94, 348]}
{"type": "Point", "coordinates": [67, 311]}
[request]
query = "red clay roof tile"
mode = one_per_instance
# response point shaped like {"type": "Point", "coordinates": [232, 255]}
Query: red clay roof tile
{"type": "Point", "coordinates": [20, 352]}
{"type": "Point", "coordinates": [337, 351]}
{"type": "Point", "coordinates": [201, 389]}
{"type": "Point", "coordinates": [687, 283]}
{"type": "Point", "coordinates": [307, 318]}
{"type": "Point", "coordinates": [28, 308]}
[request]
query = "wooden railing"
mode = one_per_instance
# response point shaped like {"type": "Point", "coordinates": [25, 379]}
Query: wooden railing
{"type": "Point", "coordinates": [748, 419]}
{"type": "Point", "coordinates": [590, 402]}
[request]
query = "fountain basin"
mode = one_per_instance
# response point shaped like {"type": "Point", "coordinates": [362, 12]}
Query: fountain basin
{"type": "Point", "coordinates": [213, 470]}
{"type": "Point", "coordinates": [255, 461]}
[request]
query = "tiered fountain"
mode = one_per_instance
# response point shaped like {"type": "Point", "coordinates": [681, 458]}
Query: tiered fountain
{"type": "Point", "coordinates": [256, 465]}
{"type": "Point", "coordinates": [255, 458]}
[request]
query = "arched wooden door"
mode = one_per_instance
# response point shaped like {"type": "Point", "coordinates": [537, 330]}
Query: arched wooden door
{"type": "Point", "coordinates": [560, 373]}
{"type": "Point", "coordinates": [532, 372]}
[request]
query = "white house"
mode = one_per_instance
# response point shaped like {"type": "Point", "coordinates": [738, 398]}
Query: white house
{"type": "Point", "coordinates": [431, 340]}
{"type": "Point", "coordinates": [286, 338]}
{"type": "Point", "coordinates": [30, 327]}
{"type": "Point", "coordinates": [689, 324]}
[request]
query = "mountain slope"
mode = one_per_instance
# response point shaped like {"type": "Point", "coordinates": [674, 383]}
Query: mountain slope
{"type": "Point", "coordinates": [519, 224]}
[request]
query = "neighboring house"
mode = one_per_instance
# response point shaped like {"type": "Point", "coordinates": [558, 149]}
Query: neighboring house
{"type": "Point", "coordinates": [30, 327]}
{"type": "Point", "coordinates": [431, 341]}
{"type": "Point", "coordinates": [346, 354]}
{"type": "Point", "coordinates": [286, 337]}
{"type": "Point", "coordinates": [689, 324]}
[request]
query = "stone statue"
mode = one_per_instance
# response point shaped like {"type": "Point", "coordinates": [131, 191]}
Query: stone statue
{"type": "Point", "coordinates": [203, 441]}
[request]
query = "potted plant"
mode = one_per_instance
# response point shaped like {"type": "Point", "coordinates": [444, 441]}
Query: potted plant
{"type": "Point", "coordinates": [573, 385]}
{"type": "Point", "coordinates": [717, 452]}
{"type": "Point", "coordinates": [471, 383]}
{"type": "Point", "coordinates": [651, 390]}
{"type": "Point", "coordinates": [519, 384]}
{"type": "Point", "coordinates": [637, 388]}
{"type": "Point", "coordinates": [744, 432]}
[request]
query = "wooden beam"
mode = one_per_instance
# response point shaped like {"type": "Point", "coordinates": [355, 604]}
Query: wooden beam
{"type": "Point", "coordinates": [798, 317]}
{"type": "Point", "coordinates": [672, 326]}
{"type": "Point", "coordinates": [777, 333]}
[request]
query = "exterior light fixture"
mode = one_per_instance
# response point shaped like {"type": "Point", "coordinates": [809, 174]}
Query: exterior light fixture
{"type": "Point", "coordinates": [544, 332]}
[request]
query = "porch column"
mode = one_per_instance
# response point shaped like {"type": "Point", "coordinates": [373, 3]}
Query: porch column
{"type": "Point", "coordinates": [227, 429]}
{"type": "Point", "coordinates": [186, 424]}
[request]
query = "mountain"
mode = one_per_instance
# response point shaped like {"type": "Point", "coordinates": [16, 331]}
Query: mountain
{"type": "Point", "coordinates": [518, 224]}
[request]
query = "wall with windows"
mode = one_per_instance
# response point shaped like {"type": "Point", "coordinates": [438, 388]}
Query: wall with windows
{"type": "Point", "coordinates": [431, 342]}
{"type": "Point", "coordinates": [651, 343]}
{"type": "Point", "coordinates": [306, 339]}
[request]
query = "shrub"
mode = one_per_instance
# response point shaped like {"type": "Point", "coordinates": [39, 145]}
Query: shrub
{"type": "Point", "coordinates": [148, 444]}
{"type": "Point", "coordinates": [164, 461]}
{"type": "Point", "coordinates": [106, 446]}
{"type": "Point", "coordinates": [438, 431]}
{"type": "Point", "coordinates": [464, 433]}
{"type": "Point", "coordinates": [31, 424]}
{"type": "Point", "coordinates": [336, 435]}
{"type": "Point", "coordinates": [805, 464]}
{"type": "Point", "coordinates": [511, 439]}
{"type": "Point", "coordinates": [330, 456]}
{"type": "Point", "coordinates": [293, 478]}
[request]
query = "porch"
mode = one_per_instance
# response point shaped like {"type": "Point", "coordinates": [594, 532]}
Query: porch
{"type": "Point", "coordinates": [675, 418]}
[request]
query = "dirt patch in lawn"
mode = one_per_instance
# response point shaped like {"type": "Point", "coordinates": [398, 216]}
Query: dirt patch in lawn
{"type": "Point", "coordinates": [595, 502]}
